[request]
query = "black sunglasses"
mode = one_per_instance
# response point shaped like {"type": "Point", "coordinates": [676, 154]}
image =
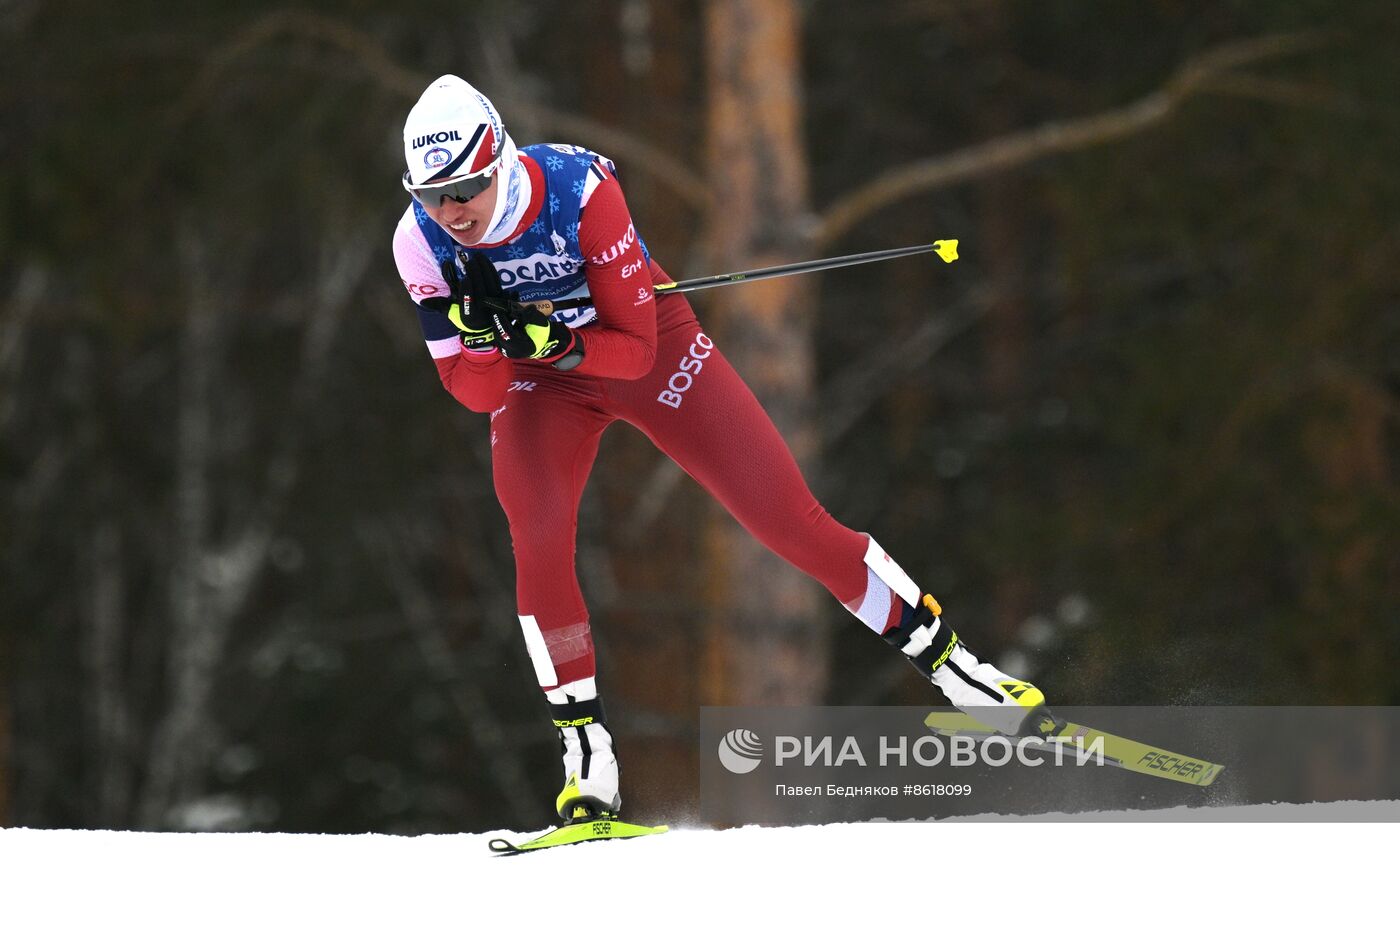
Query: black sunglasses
{"type": "Point", "coordinates": [459, 190]}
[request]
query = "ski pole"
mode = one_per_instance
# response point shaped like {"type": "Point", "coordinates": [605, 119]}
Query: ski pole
{"type": "Point", "coordinates": [947, 249]}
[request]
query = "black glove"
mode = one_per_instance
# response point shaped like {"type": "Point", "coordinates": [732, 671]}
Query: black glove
{"type": "Point", "coordinates": [523, 331]}
{"type": "Point", "coordinates": [475, 292]}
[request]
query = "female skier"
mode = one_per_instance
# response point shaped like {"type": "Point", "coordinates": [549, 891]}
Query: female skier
{"type": "Point", "coordinates": [492, 228]}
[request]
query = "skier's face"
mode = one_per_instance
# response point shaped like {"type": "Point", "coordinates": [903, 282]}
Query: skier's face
{"type": "Point", "coordinates": [466, 222]}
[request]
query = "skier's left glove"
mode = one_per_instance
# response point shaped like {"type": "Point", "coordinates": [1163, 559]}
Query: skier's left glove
{"type": "Point", "coordinates": [523, 331]}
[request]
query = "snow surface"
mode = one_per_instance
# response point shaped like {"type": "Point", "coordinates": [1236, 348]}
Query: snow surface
{"type": "Point", "coordinates": [948, 873]}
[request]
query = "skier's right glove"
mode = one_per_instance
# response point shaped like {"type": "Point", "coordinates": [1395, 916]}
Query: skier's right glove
{"type": "Point", "coordinates": [472, 290]}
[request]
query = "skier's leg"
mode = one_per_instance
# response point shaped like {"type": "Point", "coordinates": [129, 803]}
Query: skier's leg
{"type": "Point", "coordinates": [543, 442]}
{"type": "Point", "coordinates": [716, 430]}
{"type": "Point", "coordinates": [697, 410]}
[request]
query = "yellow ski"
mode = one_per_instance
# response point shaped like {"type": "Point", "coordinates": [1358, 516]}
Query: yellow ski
{"type": "Point", "coordinates": [602, 828]}
{"type": "Point", "coordinates": [1118, 751]}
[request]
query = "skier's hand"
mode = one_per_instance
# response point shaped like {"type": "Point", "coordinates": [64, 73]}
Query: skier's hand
{"type": "Point", "coordinates": [523, 331]}
{"type": "Point", "coordinates": [475, 289]}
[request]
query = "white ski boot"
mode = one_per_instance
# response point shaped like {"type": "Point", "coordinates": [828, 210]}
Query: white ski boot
{"type": "Point", "coordinates": [977, 688]}
{"type": "Point", "coordinates": [590, 766]}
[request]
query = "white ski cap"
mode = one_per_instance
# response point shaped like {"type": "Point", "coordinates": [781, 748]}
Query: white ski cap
{"type": "Point", "coordinates": [453, 131]}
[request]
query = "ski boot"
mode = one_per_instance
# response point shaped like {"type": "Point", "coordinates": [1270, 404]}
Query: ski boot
{"type": "Point", "coordinates": [1011, 706]}
{"type": "Point", "coordinates": [589, 801]}
{"type": "Point", "coordinates": [590, 766]}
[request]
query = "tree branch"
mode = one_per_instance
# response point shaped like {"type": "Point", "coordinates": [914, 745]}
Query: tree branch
{"type": "Point", "coordinates": [365, 52]}
{"type": "Point", "coordinates": [1053, 138]}
{"type": "Point", "coordinates": [1283, 93]}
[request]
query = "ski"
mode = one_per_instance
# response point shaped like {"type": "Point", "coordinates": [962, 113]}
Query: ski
{"type": "Point", "coordinates": [1117, 751]}
{"type": "Point", "coordinates": [597, 829]}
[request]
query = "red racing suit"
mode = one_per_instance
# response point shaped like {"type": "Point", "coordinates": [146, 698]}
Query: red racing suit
{"type": "Point", "coordinates": [648, 363]}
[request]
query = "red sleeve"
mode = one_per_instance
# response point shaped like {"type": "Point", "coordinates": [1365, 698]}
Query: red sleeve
{"type": "Point", "coordinates": [478, 380]}
{"type": "Point", "coordinates": [622, 342]}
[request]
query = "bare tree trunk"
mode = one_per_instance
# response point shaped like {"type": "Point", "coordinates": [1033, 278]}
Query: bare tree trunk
{"type": "Point", "coordinates": [111, 717]}
{"type": "Point", "coordinates": [6, 761]}
{"type": "Point", "coordinates": [766, 641]}
{"type": "Point", "coordinates": [644, 636]}
{"type": "Point", "coordinates": [1347, 575]}
{"type": "Point", "coordinates": [210, 581]}
{"type": "Point", "coordinates": [14, 329]}
{"type": "Point", "coordinates": [393, 548]}
{"type": "Point", "coordinates": [15, 320]}
{"type": "Point", "coordinates": [196, 633]}
{"type": "Point", "coordinates": [1005, 345]}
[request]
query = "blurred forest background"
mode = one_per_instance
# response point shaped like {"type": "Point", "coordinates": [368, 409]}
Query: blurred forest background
{"type": "Point", "coordinates": [1141, 440]}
